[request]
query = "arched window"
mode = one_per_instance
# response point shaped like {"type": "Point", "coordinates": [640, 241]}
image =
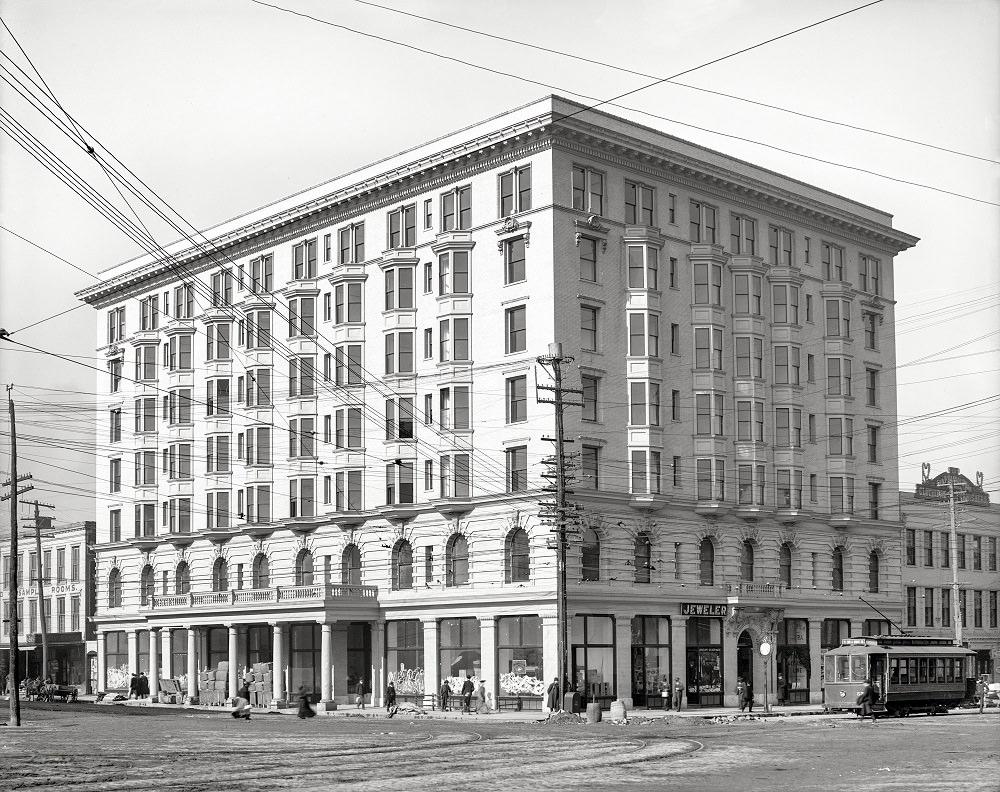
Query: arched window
{"type": "Point", "coordinates": [707, 558]}
{"type": "Point", "coordinates": [518, 557]}
{"type": "Point", "coordinates": [642, 557]}
{"type": "Point", "coordinates": [402, 566]}
{"type": "Point", "coordinates": [182, 579]}
{"type": "Point", "coordinates": [304, 569]}
{"type": "Point", "coordinates": [457, 561]}
{"type": "Point", "coordinates": [220, 575]}
{"type": "Point", "coordinates": [590, 556]}
{"type": "Point", "coordinates": [261, 572]}
{"type": "Point", "coordinates": [785, 565]}
{"type": "Point", "coordinates": [873, 563]}
{"type": "Point", "coordinates": [147, 585]}
{"type": "Point", "coordinates": [838, 569]}
{"type": "Point", "coordinates": [746, 561]}
{"type": "Point", "coordinates": [115, 589]}
{"type": "Point", "coordinates": [350, 566]}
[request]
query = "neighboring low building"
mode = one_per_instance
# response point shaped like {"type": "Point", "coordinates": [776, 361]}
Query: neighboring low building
{"type": "Point", "coordinates": [324, 451]}
{"type": "Point", "coordinates": [68, 593]}
{"type": "Point", "coordinates": [929, 556]}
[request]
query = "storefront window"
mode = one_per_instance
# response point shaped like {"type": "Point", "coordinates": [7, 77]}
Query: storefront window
{"type": "Point", "coordinates": [593, 641]}
{"type": "Point", "coordinates": [142, 649]}
{"type": "Point", "coordinates": [179, 655]}
{"type": "Point", "coordinates": [258, 644]}
{"type": "Point", "coordinates": [404, 654]}
{"type": "Point", "coordinates": [305, 662]}
{"type": "Point", "coordinates": [217, 640]}
{"type": "Point", "coordinates": [519, 657]}
{"type": "Point", "coordinates": [359, 654]}
{"type": "Point", "coordinates": [651, 661]}
{"type": "Point", "coordinates": [116, 660]}
{"type": "Point", "coordinates": [459, 654]}
{"type": "Point", "coordinates": [704, 662]}
{"type": "Point", "coordinates": [793, 662]}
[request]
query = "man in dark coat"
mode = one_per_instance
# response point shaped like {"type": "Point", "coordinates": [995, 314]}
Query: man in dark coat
{"type": "Point", "coordinates": [142, 686]}
{"type": "Point", "coordinates": [552, 696]}
{"type": "Point", "coordinates": [468, 688]}
{"type": "Point", "coordinates": [133, 687]}
{"type": "Point", "coordinates": [867, 701]}
{"type": "Point", "coordinates": [445, 695]}
{"type": "Point", "coordinates": [390, 697]}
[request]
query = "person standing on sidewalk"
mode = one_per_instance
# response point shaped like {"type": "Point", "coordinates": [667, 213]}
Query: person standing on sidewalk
{"type": "Point", "coordinates": [445, 695]}
{"type": "Point", "coordinates": [982, 689]}
{"type": "Point", "coordinates": [678, 693]}
{"type": "Point", "coordinates": [553, 696]}
{"type": "Point", "coordinates": [468, 688]}
{"type": "Point", "coordinates": [360, 701]}
{"type": "Point", "coordinates": [390, 697]}
{"type": "Point", "coordinates": [867, 699]}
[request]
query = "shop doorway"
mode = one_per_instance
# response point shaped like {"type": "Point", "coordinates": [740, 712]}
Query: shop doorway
{"type": "Point", "coordinates": [744, 657]}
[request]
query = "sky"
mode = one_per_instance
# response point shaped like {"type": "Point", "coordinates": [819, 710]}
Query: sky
{"type": "Point", "coordinates": [223, 107]}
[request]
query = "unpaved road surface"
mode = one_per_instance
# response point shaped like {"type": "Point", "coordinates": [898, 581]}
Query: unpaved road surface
{"type": "Point", "coordinates": [85, 747]}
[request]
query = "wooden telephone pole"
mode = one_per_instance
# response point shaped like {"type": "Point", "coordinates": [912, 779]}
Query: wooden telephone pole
{"type": "Point", "coordinates": [41, 579]}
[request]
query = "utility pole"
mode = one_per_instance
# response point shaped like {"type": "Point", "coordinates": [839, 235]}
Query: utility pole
{"type": "Point", "coordinates": [39, 567]}
{"type": "Point", "coordinates": [956, 607]}
{"type": "Point", "coordinates": [15, 654]}
{"type": "Point", "coordinates": [558, 509]}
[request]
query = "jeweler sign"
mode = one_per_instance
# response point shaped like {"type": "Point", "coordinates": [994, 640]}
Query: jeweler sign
{"type": "Point", "coordinates": [703, 609]}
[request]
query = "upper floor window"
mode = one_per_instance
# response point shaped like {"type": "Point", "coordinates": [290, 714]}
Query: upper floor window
{"type": "Point", "coordinates": [838, 376]}
{"type": "Point", "coordinates": [258, 329]}
{"type": "Point", "coordinates": [788, 428]}
{"type": "Point", "coordinates": [838, 569]}
{"type": "Point", "coordinates": [262, 274]}
{"type": "Point", "coordinates": [841, 495]}
{"type": "Point", "coordinates": [746, 561]}
{"type": "Point", "coordinates": [515, 191]}
{"type": "Point", "coordinates": [220, 575]}
{"type": "Point", "coordinates": [643, 267]}
{"type": "Point", "coordinates": [399, 419]}
{"type": "Point", "coordinates": [833, 261]}
{"type": "Point", "coordinates": [702, 222]}
{"type": "Point", "coordinates": [590, 555]}
{"type": "Point", "coordinates": [304, 568]}
{"type": "Point", "coordinates": [708, 348]}
{"type": "Point", "coordinates": [179, 352]}
{"type": "Point", "coordinates": [347, 303]}
{"type": "Point", "coordinates": [399, 482]}
{"type": "Point", "coordinates": [841, 436]}
{"type": "Point", "coordinates": [399, 352]}
{"type": "Point", "coordinates": [588, 327]}
{"type": "Point", "coordinates": [873, 572]}
{"type": "Point", "coordinates": [743, 235]}
{"type": "Point", "coordinates": [403, 227]}
{"type": "Point", "coordinates": [749, 357]}
{"type": "Point", "coordinates": [785, 565]}
{"type": "Point", "coordinates": [116, 325]}
{"type": "Point", "coordinates": [347, 364]}
{"type": "Point", "coordinates": [516, 329]}
{"type": "Point", "coordinates": [453, 339]}
{"type": "Point", "coordinates": [644, 334]}
{"type": "Point", "coordinates": [870, 322]}
{"type": "Point", "coordinates": [402, 566]}
{"type": "Point", "coordinates": [588, 258]}
{"type": "Point", "coordinates": [639, 208]}
{"type": "Point", "coordinates": [457, 561]}
{"type": "Point", "coordinates": [643, 411]}
{"type": "Point", "coordinates": [786, 365]}
{"type": "Point", "coordinates": [747, 293]}
{"type": "Point", "coordinates": [115, 371]}
{"type": "Point", "coordinates": [786, 304]}
{"type": "Point", "coordinates": [589, 385]}
{"type": "Point", "coordinates": [838, 318]}
{"type": "Point", "coordinates": [348, 428]}
{"type": "Point", "coordinates": [217, 345]}
{"type": "Point", "coordinates": [517, 468]}
{"type": "Point", "coordinates": [453, 272]}
{"type": "Point", "coordinates": [115, 588]}
{"type": "Point", "coordinates": [780, 241]}
{"type": "Point", "coordinates": [642, 557]}
{"type": "Point", "coordinates": [260, 572]}
{"type": "Point", "coordinates": [518, 557]}
{"type": "Point", "coordinates": [709, 413]}
{"type": "Point", "coordinates": [707, 283]}
{"type": "Point", "coordinates": [588, 190]}
{"type": "Point", "coordinates": [750, 420]}
{"type": "Point", "coordinates": [149, 312]}
{"type": "Point", "coordinates": [301, 317]}
{"type": "Point", "coordinates": [184, 301]}
{"type": "Point", "coordinates": [350, 566]}
{"type": "Point", "coordinates": [222, 288]}
{"type": "Point", "coordinates": [304, 260]}
{"type": "Point", "coordinates": [706, 566]}
{"type": "Point", "coordinates": [514, 255]}
{"type": "Point", "coordinates": [870, 274]}
{"type": "Point", "coordinates": [399, 288]}
{"type": "Point", "coordinates": [352, 244]}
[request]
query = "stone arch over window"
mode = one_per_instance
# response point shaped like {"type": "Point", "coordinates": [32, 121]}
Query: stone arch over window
{"type": "Point", "coordinates": [350, 566]}
{"type": "Point", "coordinates": [457, 561]}
{"type": "Point", "coordinates": [182, 578]}
{"type": "Point", "coordinates": [747, 561]}
{"type": "Point", "coordinates": [838, 568]}
{"type": "Point", "coordinates": [874, 564]}
{"type": "Point", "coordinates": [147, 585]}
{"type": "Point", "coordinates": [706, 558]}
{"type": "Point", "coordinates": [220, 574]}
{"type": "Point", "coordinates": [785, 564]}
{"type": "Point", "coordinates": [590, 555]}
{"type": "Point", "coordinates": [517, 556]}
{"type": "Point", "coordinates": [304, 568]}
{"type": "Point", "coordinates": [115, 588]}
{"type": "Point", "coordinates": [642, 557]}
{"type": "Point", "coordinates": [261, 572]}
{"type": "Point", "coordinates": [402, 565]}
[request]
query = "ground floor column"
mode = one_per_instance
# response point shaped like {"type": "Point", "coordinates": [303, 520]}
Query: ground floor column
{"type": "Point", "coordinates": [167, 648]}
{"type": "Point", "coordinates": [192, 663]}
{"type": "Point", "coordinates": [102, 664]}
{"type": "Point", "coordinates": [623, 658]}
{"type": "Point", "coordinates": [550, 655]}
{"type": "Point", "coordinates": [232, 654]}
{"type": "Point", "coordinates": [678, 657]}
{"type": "Point", "coordinates": [432, 674]}
{"type": "Point", "coordinates": [154, 664]}
{"type": "Point", "coordinates": [326, 668]}
{"type": "Point", "coordinates": [729, 666]}
{"type": "Point", "coordinates": [278, 673]}
{"type": "Point", "coordinates": [488, 656]}
{"type": "Point", "coordinates": [377, 682]}
{"type": "Point", "coordinates": [815, 661]}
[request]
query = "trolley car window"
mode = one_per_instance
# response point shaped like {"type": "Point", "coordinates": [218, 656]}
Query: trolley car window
{"type": "Point", "coordinates": [904, 672]}
{"type": "Point", "coordinates": [950, 669]}
{"type": "Point", "coordinates": [859, 668]}
{"type": "Point", "coordinates": [843, 668]}
{"type": "Point", "coordinates": [893, 671]}
{"type": "Point", "coordinates": [913, 670]}
{"type": "Point", "coordinates": [923, 670]}
{"type": "Point", "coordinates": [932, 670]}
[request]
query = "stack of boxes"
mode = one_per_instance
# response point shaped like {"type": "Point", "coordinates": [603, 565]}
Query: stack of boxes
{"type": "Point", "coordinates": [261, 685]}
{"type": "Point", "coordinates": [213, 686]}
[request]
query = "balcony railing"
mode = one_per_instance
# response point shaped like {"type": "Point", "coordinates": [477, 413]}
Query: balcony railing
{"type": "Point", "coordinates": [756, 589]}
{"type": "Point", "coordinates": [214, 599]}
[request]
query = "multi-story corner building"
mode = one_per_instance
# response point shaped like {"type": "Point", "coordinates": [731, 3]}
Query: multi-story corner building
{"type": "Point", "coordinates": [68, 594]}
{"type": "Point", "coordinates": [323, 433]}
{"type": "Point", "coordinates": [934, 561]}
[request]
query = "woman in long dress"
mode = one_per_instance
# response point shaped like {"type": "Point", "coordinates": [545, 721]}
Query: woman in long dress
{"type": "Point", "coordinates": [305, 708]}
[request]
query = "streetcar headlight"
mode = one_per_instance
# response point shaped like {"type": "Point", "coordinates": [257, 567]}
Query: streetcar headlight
{"type": "Point", "coordinates": [843, 694]}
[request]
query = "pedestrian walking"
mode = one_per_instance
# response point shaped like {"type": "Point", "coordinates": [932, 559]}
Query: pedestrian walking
{"type": "Point", "coordinates": [748, 694]}
{"type": "Point", "coordinates": [552, 696]}
{"type": "Point", "coordinates": [741, 693]}
{"type": "Point", "coordinates": [360, 693]}
{"type": "Point", "coordinates": [133, 687]}
{"type": "Point", "coordinates": [782, 690]}
{"type": "Point", "coordinates": [142, 686]}
{"type": "Point", "coordinates": [480, 695]}
{"type": "Point", "coordinates": [390, 697]}
{"type": "Point", "coordinates": [445, 695]}
{"type": "Point", "coordinates": [243, 708]}
{"type": "Point", "coordinates": [305, 707]}
{"type": "Point", "coordinates": [982, 689]}
{"type": "Point", "coordinates": [468, 688]}
{"type": "Point", "coordinates": [678, 693]}
{"type": "Point", "coordinates": [867, 698]}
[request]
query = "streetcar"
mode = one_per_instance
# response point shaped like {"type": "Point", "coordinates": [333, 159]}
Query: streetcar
{"type": "Point", "coordinates": [910, 673]}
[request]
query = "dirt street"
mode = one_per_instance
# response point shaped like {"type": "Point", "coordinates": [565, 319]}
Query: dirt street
{"type": "Point", "coordinates": [88, 747]}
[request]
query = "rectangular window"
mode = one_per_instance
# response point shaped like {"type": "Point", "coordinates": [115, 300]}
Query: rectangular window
{"type": "Point", "coordinates": [675, 339]}
{"type": "Point", "coordinates": [115, 372]}
{"type": "Point", "coordinates": [639, 204]}
{"type": "Point", "coordinates": [702, 220]}
{"type": "Point", "coordinates": [116, 325]}
{"type": "Point", "coordinates": [874, 499]}
{"type": "Point", "coordinates": [517, 399]}
{"type": "Point", "coordinates": [589, 385]}
{"type": "Point", "coordinates": [789, 489]}
{"type": "Point", "coordinates": [911, 547]}
{"type": "Point", "coordinates": [873, 453]}
{"type": "Point", "coordinates": [258, 329]}
{"type": "Point", "coordinates": [838, 318]}
{"type": "Point", "coordinates": [456, 209]}
{"type": "Point", "coordinates": [749, 357]}
{"type": "Point", "coordinates": [780, 246]}
{"type": "Point", "coordinates": [515, 191]}
{"type": "Point", "coordinates": [513, 259]}
{"type": "Point", "coordinates": [708, 348]}
{"type": "Point", "coordinates": [977, 553]}
{"type": "Point", "coordinates": [115, 424]}
{"type": "Point", "coordinates": [709, 413]}
{"type": "Point", "coordinates": [707, 283]}
{"type": "Point", "coordinates": [786, 365]}
{"type": "Point", "coordinates": [643, 267]}
{"type": "Point", "coordinates": [945, 607]}
{"type": "Point", "coordinates": [402, 227]}
{"type": "Point", "coordinates": [302, 317]}
{"type": "Point", "coordinates": [589, 467]}
{"type": "Point", "coordinates": [145, 363]}
{"type": "Point", "coordinates": [841, 436]}
{"type": "Point", "coordinates": [149, 312]}
{"type": "Point", "coordinates": [588, 328]}
{"type": "Point", "coordinates": [453, 272]}
{"type": "Point", "coordinates": [515, 323]}
{"type": "Point", "coordinates": [711, 479]}
{"type": "Point", "coordinates": [588, 190]}
{"type": "Point", "coordinates": [870, 322]}
{"type": "Point", "coordinates": [301, 437]}
{"type": "Point", "coordinates": [639, 483]}
{"type": "Point", "coordinates": [743, 235]}
{"type": "Point", "coordinates": [399, 288]}
{"type": "Point", "coordinates": [588, 259]}
{"type": "Point", "coordinates": [351, 241]}
{"type": "Point", "coordinates": [833, 262]}
{"type": "Point", "coordinates": [747, 292]}
{"type": "Point", "coordinates": [787, 427]}
{"type": "Point", "coordinates": [993, 554]}
{"type": "Point", "coordinates": [928, 607]}
{"type": "Point", "coordinates": [347, 365]}
{"type": "Point", "coordinates": [929, 548]}
{"type": "Point", "coordinates": [517, 468]}
{"type": "Point", "coordinates": [786, 304]}
{"type": "Point", "coordinates": [399, 352]}
{"type": "Point", "coordinates": [911, 606]}
{"type": "Point", "coordinates": [871, 387]}
{"type": "Point", "coordinates": [184, 301]}
{"type": "Point", "coordinates": [347, 303]}
{"type": "Point", "coordinates": [262, 274]}
{"type": "Point", "coordinates": [870, 274]}
{"type": "Point", "coordinates": [841, 495]}
{"type": "Point", "coordinates": [838, 376]}
{"type": "Point", "coordinates": [304, 260]}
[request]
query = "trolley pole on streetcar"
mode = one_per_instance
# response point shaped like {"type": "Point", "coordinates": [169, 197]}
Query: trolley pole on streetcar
{"type": "Point", "coordinates": [558, 510]}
